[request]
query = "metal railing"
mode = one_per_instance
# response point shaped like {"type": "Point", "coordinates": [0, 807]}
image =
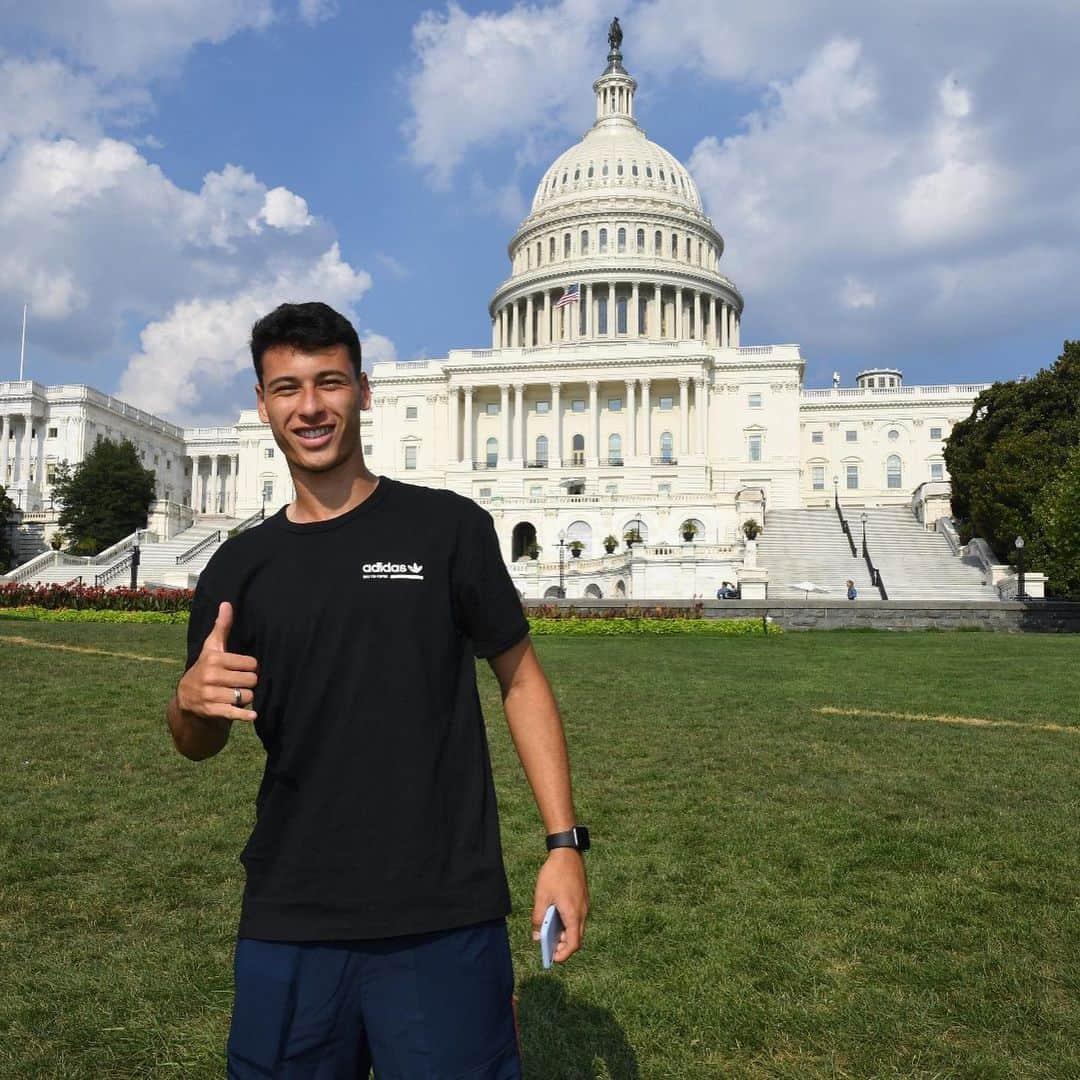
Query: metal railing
{"type": "Point", "coordinates": [199, 548]}
{"type": "Point", "coordinates": [541, 464]}
{"type": "Point", "coordinates": [664, 461]}
{"type": "Point", "coordinates": [875, 573]}
{"type": "Point", "coordinates": [116, 569]}
{"type": "Point", "coordinates": [611, 461]}
{"type": "Point", "coordinates": [248, 522]}
{"type": "Point", "coordinates": [481, 466]}
{"type": "Point", "coordinates": [844, 524]}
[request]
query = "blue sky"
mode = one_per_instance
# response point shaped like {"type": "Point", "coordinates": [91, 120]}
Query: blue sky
{"type": "Point", "coordinates": [895, 187]}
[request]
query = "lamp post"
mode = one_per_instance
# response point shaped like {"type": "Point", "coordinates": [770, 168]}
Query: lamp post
{"type": "Point", "coordinates": [562, 563]}
{"type": "Point", "coordinates": [836, 492]}
{"type": "Point", "coordinates": [862, 518]}
{"type": "Point", "coordinates": [1018, 543]}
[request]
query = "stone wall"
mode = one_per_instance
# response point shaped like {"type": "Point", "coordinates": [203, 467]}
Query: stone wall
{"type": "Point", "coordinates": [1040, 616]}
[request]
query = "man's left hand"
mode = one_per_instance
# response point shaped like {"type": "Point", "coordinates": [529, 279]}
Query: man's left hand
{"type": "Point", "coordinates": [561, 882]}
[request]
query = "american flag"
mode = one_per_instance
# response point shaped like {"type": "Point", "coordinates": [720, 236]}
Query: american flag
{"type": "Point", "coordinates": [568, 297]}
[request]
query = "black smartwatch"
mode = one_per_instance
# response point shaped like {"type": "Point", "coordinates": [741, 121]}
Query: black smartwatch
{"type": "Point", "coordinates": [577, 837]}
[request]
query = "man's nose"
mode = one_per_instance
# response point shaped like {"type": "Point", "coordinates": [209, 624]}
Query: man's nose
{"type": "Point", "coordinates": [310, 403]}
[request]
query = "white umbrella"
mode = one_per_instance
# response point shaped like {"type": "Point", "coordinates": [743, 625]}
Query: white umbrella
{"type": "Point", "coordinates": [808, 587]}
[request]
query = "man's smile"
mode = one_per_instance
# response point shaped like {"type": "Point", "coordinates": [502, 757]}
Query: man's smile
{"type": "Point", "coordinates": [314, 437]}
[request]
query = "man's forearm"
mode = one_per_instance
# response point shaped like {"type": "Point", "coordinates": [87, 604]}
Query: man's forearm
{"type": "Point", "coordinates": [194, 736]}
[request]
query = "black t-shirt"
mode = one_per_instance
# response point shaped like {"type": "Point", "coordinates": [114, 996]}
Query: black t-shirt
{"type": "Point", "coordinates": [376, 814]}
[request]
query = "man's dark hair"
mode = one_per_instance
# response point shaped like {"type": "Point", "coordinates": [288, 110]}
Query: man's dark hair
{"type": "Point", "coordinates": [308, 327]}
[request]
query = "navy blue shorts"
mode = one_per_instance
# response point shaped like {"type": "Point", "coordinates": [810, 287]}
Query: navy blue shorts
{"type": "Point", "coordinates": [422, 1007]}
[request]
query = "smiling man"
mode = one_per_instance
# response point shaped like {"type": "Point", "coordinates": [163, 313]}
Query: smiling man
{"type": "Point", "coordinates": [373, 922]}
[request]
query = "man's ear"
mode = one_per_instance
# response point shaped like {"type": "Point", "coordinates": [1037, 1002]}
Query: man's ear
{"type": "Point", "coordinates": [365, 392]}
{"type": "Point", "coordinates": [260, 403]}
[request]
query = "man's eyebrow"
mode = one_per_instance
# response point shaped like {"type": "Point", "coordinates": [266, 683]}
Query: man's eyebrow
{"type": "Point", "coordinates": [292, 380]}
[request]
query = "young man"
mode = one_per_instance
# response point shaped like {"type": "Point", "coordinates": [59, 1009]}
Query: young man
{"type": "Point", "coordinates": [373, 923]}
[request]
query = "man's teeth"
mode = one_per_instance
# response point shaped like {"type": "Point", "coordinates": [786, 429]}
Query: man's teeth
{"type": "Point", "coordinates": [314, 432]}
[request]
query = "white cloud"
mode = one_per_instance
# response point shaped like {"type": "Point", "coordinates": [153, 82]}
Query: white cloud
{"type": "Point", "coordinates": [282, 209]}
{"type": "Point", "coordinates": [396, 268]}
{"type": "Point", "coordinates": [376, 348]}
{"type": "Point", "coordinates": [317, 11]}
{"type": "Point", "coordinates": [190, 357]}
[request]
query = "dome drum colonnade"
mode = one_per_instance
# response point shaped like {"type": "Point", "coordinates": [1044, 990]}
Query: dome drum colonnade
{"type": "Point", "coordinates": [620, 219]}
{"type": "Point", "coordinates": [512, 441]}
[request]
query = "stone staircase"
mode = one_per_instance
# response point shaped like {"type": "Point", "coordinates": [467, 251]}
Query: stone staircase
{"type": "Point", "coordinates": [808, 545]}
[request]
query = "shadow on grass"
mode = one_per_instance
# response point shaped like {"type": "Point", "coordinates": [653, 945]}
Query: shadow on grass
{"type": "Point", "coordinates": [569, 1040]}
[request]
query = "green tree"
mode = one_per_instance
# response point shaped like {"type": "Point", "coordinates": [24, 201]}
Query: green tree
{"type": "Point", "coordinates": [104, 498]}
{"type": "Point", "coordinates": [1060, 514]}
{"type": "Point", "coordinates": [1006, 455]}
{"type": "Point", "coordinates": [7, 514]}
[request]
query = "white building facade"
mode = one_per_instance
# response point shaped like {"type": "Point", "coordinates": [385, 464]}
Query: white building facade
{"type": "Point", "coordinates": [616, 398]}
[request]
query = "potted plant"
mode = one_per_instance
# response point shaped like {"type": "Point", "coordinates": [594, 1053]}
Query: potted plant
{"type": "Point", "coordinates": [689, 529]}
{"type": "Point", "coordinates": [576, 548]}
{"type": "Point", "coordinates": [610, 544]}
{"type": "Point", "coordinates": [750, 529]}
{"type": "Point", "coordinates": [632, 537]}
{"type": "Point", "coordinates": [533, 550]}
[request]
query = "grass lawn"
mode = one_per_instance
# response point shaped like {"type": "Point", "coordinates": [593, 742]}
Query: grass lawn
{"type": "Point", "coordinates": [778, 891]}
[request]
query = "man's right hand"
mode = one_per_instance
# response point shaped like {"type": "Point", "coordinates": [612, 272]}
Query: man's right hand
{"type": "Point", "coordinates": [207, 688]}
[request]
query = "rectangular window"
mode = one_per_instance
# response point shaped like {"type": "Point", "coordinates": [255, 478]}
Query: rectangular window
{"type": "Point", "coordinates": [601, 315]}
{"type": "Point", "coordinates": [492, 408]}
{"type": "Point", "coordinates": [851, 436]}
{"type": "Point", "coordinates": [268, 491]}
{"type": "Point", "coordinates": [536, 492]}
{"type": "Point", "coordinates": [937, 470]}
{"type": "Point", "coordinates": [667, 404]}
{"type": "Point", "coordinates": [611, 489]}
{"type": "Point", "coordinates": [755, 447]}
{"type": "Point", "coordinates": [935, 433]}
{"type": "Point", "coordinates": [614, 404]}
{"type": "Point", "coordinates": [852, 473]}
{"type": "Point", "coordinates": [268, 451]}
{"type": "Point", "coordinates": [485, 493]}
{"type": "Point", "coordinates": [817, 436]}
{"type": "Point", "coordinates": [53, 432]}
{"type": "Point", "coordinates": [369, 449]}
{"type": "Point", "coordinates": [410, 457]}
{"type": "Point", "coordinates": [543, 406]}
{"type": "Point", "coordinates": [663, 489]}
{"type": "Point", "coordinates": [577, 405]}
{"type": "Point", "coordinates": [410, 412]}
{"type": "Point", "coordinates": [817, 472]}
{"type": "Point", "coordinates": [755, 401]}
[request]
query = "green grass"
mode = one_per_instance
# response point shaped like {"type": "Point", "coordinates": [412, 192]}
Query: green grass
{"type": "Point", "coordinates": [777, 892]}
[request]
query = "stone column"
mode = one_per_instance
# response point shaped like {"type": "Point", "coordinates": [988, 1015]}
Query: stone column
{"type": "Point", "coordinates": [452, 405]}
{"type": "Point", "coordinates": [634, 322]}
{"type": "Point", "coordinates": [656, 314]}
{"type": "Point", "coordinates": [504, 415]}
{"type": "Point", "coordinates": [594, 413]}
{"type": "Point", "coordinates": [697, 316]}
{"type": "Point", "coordinates": [214, 500]}
{"type": "Point", "coordinates": [722, 325]}
{"type": "Point", "coordinates": [701, 408]}
{"type": "Point", "coordinates": [467, 448]}
{"type": "Point", "coordinates": [646, 410]}
{"type": "Point", "coordinates": [714, 337]}
{"type": "Point", "coordinates": [515, 326]}
{"type": "Point", "coordinates": [495, 332]}
{"type": "Point", "coordinates": [235, 482]}
{"type": "Point", "coordinates": [504, 339]}
{"type": "Point", "coordinates": [530, 334]}
{"type": "Point", "coordinates": [679, 314]}
{"type": "Point", "coordinates": [736, 329]}
{"type": "Point", "coordinates": [519, 418]}
{"type": "Point", "coordinates": [39, 472]}
{"type": "Point", "coordinates": [195, 483]}
{"type": "Point", "coordinates": [590, 312]}
{"type": "Point", "coordinates": [684, 416]}
{"type": "Point", "coordinates": [631, 421]}
{"type": "Point", "coordinates": [556, 413]}
{"type": "Point", "coordinates": [27, 452]}
{"type": "Point", "coordinates": [5, 434]}
{"type": "Point", "coordinates": [544, 318]}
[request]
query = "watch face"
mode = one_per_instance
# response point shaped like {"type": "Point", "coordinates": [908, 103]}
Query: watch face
{"type": "Point", "coordinates": [581, 838]}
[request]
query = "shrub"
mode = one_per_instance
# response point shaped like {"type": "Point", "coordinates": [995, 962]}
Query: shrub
{"type": "Point", "coordinates": [96, 598]}
{"type": "Point", "coordinates": [616, 627]}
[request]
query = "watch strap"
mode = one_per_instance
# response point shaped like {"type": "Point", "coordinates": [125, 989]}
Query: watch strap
{"type": "Point", "coordinates": [577, 837]}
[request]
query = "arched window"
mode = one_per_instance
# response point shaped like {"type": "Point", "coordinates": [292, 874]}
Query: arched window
{"type": "Point", "coordinates": [661, 174]}
{"type": "Point", "coordinates": [590, 173]}
{"type": "Point", "coordinates": [528, 258]}
{"type": "Point", "coordinates": [601, 245]}
{"type": "Point", "coordinates": [542, 449]}
{"type": "Point", "coordinates": [564, 179]}
{"type": "Point", "coordinates": [614, 449]}
{"type": "Point", "coordinates": [604, 170]}
{"type": "Point", "coordinates": [539, 252]}
{"type": "Point", "coordinates": [641, 241]}
{"type": "Point", "coordinates": [601, 315]}
{"type": "Point", "coordinates": [566, 246]}
{"type": "Point", "coordinates": [492, 453]}
{"type": "Point", "coordinates": [700, 253]}
{"type": "Point", "coordinates": [584, 241]}
{"type": "Point", "coordinates": [648, 171]}
{"type": "Point", "coordinates": [620, 588]}
{"type": "Point", "coordinates": [620, 315]}
{"type": "Point", "coordinates": [674, 245]}
{"type": "Point", "coordinates": [687, 249]}
{"type": "Point", "coordinates": [666, 445]}
{"type": "Point", "coordinates": [621, 241]}
{"type": "Point", "coordinates": [894, 471]}
{"type": "Point", "coordinates": [551, 250]}
{"type": "Point", "coordinates": [658, 242]}
{"type": "Point", "coordinates": [633, 169]}
{"type": "Point", "coordinates": [578, 449]}
{"type": "Point", "coordinates": [577, 173]}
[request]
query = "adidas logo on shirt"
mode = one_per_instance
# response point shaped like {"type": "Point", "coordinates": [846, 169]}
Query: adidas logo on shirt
{"type": "Point", "coordinates": [413, 571]}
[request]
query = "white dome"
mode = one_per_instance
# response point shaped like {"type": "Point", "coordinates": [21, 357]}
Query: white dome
{"type": "Point", "coordinates": [616, 160]}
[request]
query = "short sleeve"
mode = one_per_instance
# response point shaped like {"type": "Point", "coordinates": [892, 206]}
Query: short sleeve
{"type": "Point", "coordinates": [215, 584]}
{"type": "Point", "coordinates": [486, 604]}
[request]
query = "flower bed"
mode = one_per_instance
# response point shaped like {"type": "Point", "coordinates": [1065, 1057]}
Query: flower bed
{"type": "Point", "coordinates": [90, 597]}
{"type": "Point", "coordinates": [666, 625]}
{"type": "Point", "coordinates": [92, 615]}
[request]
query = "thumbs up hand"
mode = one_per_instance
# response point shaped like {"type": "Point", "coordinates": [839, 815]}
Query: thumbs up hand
{"type": "Point", "coordinates": [220, 684]}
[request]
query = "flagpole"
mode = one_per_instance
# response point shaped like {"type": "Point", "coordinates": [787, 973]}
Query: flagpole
{"type": "Point", "coordinates": [22, 348]}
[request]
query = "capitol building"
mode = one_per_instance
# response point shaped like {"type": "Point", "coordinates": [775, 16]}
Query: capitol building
{"type": "Point", "coordinates": [615, 400]}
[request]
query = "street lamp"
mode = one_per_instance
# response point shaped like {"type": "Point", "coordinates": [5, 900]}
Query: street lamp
{"type": "Point", "coordinates": [562, 563]}
{"type": "Point", "coordinates": [1018, 543]}
{"type": "Point", "coordinates": [836, 492]}
{"type": "Point", "coordinates": [862, 517]}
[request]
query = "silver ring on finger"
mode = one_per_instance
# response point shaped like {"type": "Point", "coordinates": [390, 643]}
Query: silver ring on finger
{"type": "Point", "coordinates": [237, 696]}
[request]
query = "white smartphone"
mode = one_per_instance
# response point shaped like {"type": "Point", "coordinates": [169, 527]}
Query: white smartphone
{"type": "Point", "coordinates": [550, 929]}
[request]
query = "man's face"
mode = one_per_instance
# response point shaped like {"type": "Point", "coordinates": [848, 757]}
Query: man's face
{"type": "Point", "coordinates": [312, 402]}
